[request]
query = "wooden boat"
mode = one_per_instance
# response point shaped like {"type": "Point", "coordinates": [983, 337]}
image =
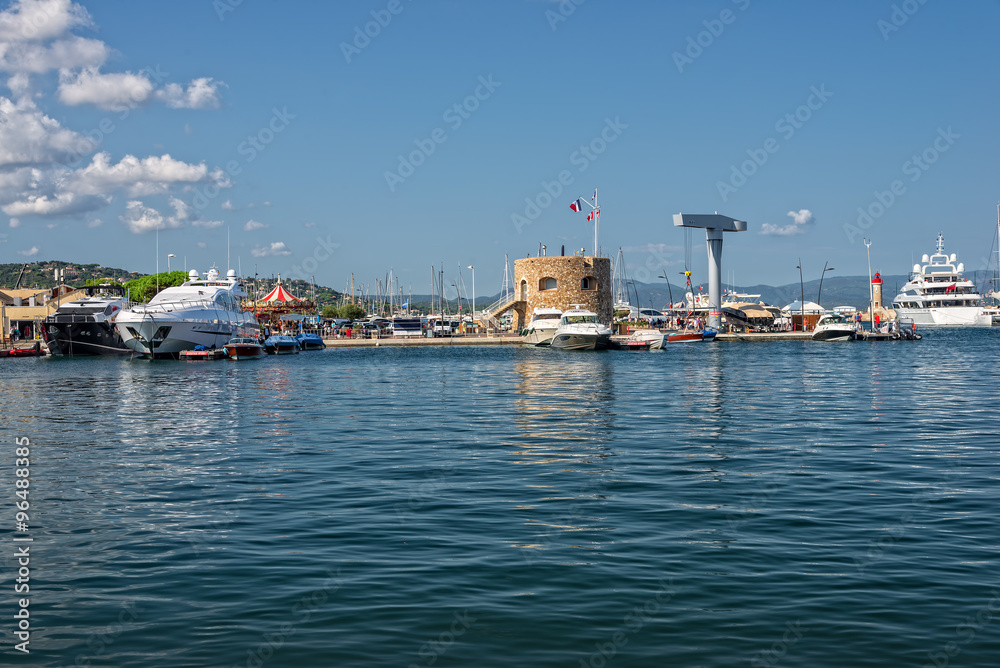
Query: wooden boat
{"type": "Point", "coordinates": [244, 348]}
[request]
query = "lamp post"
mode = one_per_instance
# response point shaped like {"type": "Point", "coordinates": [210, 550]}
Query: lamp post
{"type": "Point", "coordinates": [473, 268]}
{"type": "Point", "coordinates": [802, 298]}
{"type": "Point", "coordinates": [168, 261]}
{"type": "Point", "coordinates": [825, 269]}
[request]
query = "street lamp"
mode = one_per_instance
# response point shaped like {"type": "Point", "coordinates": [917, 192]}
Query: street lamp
{"type": "Point", "coordinates": [825, 269]}
{"type": "Point", "coordinates": [168, 261]}
{"type": "Point", "coordinates": [802, 298]}
{"type": "Point", "coordinates": [473, 268]}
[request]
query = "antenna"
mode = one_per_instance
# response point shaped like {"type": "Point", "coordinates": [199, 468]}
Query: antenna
{"type": "Point", "coordinates": [228, 263]}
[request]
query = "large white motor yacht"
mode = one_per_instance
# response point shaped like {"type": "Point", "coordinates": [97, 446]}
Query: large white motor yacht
{"type": "Point", "coordinates": [204, 312]}
{"type": "Point", "coordinates": [543, 325]}
{"type": "Point", "coordinates": [580, 329]}
{"type": "Point", "coordinates": [937, 295]}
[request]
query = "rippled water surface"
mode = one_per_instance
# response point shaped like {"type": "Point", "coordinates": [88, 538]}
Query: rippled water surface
{"type": "Point", "coordinates": [762, 504]}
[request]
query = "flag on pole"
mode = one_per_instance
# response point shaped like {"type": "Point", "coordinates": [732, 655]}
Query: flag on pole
{"type": "Point", "coordinates": [594, 198]}
{"type": "Point", "coordinates": [590, 216]}
{"type": "Point", "coordinates": [598, 212]}
{"type": "Point", "coordinates": [576, 205]}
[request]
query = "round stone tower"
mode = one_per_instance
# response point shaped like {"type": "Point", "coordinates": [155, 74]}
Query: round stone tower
{"type": "Point", "coordinates": [559, 282]}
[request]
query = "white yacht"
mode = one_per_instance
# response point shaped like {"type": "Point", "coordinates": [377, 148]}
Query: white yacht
{"type": "Point", "coordinates": [834, 327]}
{"type": "Point", "coordinates": [200, 312]}
{"type": "Point", "coordinates": [579, 329]}
{"type": "Point", "coordinates": [543, 325]}
{"type": "Point", "coordinates": [937, 295]}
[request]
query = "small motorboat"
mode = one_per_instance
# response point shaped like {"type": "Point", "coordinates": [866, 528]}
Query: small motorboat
{"type": "Point", "coordinates": [654, 337]}
{"type": "Point", "coordinates": [244, 348]}
{"type": "Point", "coordinates": [279, 344]}
{"type": "Point", "coordinates": [310, 341]}
{"type": "Point", "coordinates": [580, 329]}
{"type": "Point", "coordinates": [630, 343]}
{"type": "Point", "coordinates": [834, 327]}
{"type": "Point", "coordinates": [691, 335]}
{"type": "Point", "coordinates": [33, 351]}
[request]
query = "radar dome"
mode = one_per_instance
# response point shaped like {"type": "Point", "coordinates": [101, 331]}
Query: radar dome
{"type": "Point", "coordinates": [925, 259]}
{"type": "Point", "coordinates": [231, 273]}
{"type": "Point", "coordinates": [916, 269]}
{"type": "Point", "coordinates": [193, 275]}
{"type": "Point", "coordinates": [953, 258]}
{"type": "Point", "coordinates": [961, 267]}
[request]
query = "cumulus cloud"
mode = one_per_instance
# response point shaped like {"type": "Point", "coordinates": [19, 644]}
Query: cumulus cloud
{"type": "Point", "coordinates": [228, 206]}
{"type": "Point", "coordinates": [202, 93]}
{"type": "Point", "coordinates": [138, 177]}
{"type": "Point", "coordinates": [15, 222]}
{"type": "Point", "coordinates": [800, 219]}
{"type": "Point", "coordinates": [107, 91]}
{"type": "Point", "coordinates": [96, 222]}
{"type": "Point", "coordinates": [40, 20]}
{"type": "Point", "coordinates": [140, 218]}
{"type": "Point", "coordinates": [29, 137]}
{"type": "Point", "coordinates": [254, 225]}
{"type": "Point", "coordinates": [30, 252]}
{"type": "Point", "coordinates": [62, 203]}
{"type": "Point", "coordinates": [276, 248]}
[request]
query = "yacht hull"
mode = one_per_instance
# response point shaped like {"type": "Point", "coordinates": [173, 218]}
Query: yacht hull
{"type": "Point", "coordinates": [73, 339]}
{"type": "Point", "coordinates": [166, 335]}
{"type": "Point", "coordinates": [952, 316]}
{"type": "Point", "coordinates": [833, 335]}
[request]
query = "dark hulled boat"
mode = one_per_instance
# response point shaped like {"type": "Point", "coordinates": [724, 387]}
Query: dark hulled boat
{"type": "Point", "coordinates": [86, 326]}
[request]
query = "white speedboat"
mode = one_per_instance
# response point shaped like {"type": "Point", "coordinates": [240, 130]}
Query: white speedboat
{"type": "Point", "coordinates": [657, 339]}
{"type": "Point", "coordinates": [936, 295]}
{"type": "Point", "coordinates": [202, 311]}
{"type": "Point", "coordinates": [580, 329]}
{"type": "Point", "coordinates": [834, 327]}
{"type": "Point", "coordinates": [543, 325]}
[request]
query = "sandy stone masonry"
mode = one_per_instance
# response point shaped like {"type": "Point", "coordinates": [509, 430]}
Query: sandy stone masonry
{"type": "Point", "coordinates": [570, 272]}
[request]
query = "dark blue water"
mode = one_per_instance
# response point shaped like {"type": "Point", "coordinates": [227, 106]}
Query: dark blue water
{"type": "Point", "coordinates": [761, 504]}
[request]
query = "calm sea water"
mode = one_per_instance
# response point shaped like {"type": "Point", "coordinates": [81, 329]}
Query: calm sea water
{"type": "Point", "coordinates": [765, 504]}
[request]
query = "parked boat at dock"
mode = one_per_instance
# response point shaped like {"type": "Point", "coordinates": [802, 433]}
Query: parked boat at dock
{"type": "Point", "coordinates": [542, 327]}
{"type": "Point", "coordinates": [580, 329]}
{"type": "Point", "coordinates": [280, 344]}
{"type": "Point", "coordinates": [937, 295]}
{"type": "Point", "coordinates": [204, 312]}
{"type": "Point", "coordinates": [86, 326]}
{"type": "Point", "coordinates": [244, 348]}
{"type": "Point", "coordinates": [834, 327]}
{"type": "Point", "coordinates": [310, 341]}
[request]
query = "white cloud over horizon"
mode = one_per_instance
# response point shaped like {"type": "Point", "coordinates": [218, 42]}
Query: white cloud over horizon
{"type": "Point", "coordinates": [276, 248]}
{"type": "Point", "coordinates": [800, 220]}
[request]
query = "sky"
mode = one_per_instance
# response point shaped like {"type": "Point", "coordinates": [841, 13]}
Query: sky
{"type": "Point", "coordinates": [324, 139]}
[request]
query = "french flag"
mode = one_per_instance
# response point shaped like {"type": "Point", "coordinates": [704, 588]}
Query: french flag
{"type": "Point", "coordinates": [575, 205]}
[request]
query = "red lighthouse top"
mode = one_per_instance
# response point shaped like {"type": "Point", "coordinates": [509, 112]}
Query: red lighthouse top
{"type": "Point", "coordinates": [877, 278]}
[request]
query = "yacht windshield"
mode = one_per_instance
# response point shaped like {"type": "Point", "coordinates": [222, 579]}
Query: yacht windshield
{"type": "Point", "coordinates": [577, 319]}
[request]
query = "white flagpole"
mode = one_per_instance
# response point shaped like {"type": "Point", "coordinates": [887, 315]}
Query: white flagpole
{"type": "Point", "coordinates": [596, 218]}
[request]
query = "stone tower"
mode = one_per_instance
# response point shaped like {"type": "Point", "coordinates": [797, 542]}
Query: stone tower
{"type": "Point", "coordinates": [559, 282]}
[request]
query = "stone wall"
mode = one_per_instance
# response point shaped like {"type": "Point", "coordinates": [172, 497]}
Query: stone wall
{"type": "Point", "coordinates": [569, 273]}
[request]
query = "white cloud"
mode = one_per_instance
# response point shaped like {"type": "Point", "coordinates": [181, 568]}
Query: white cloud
{"type": "Point", "coordinates": [138, 177]}
{"type": "Point", "coordinates": [30, 252]}
{"type": "Point", "coordinates": [15, 222]}
{"type": "Point", "coordinates": [228, 206]}
{"type": "Point", "coordinates": [310, 224]}
{"type": "Point", "coordinates": [800, 219]}
{"type": "Point", "coordinates": [208, 224]}
{"type": "Point", "coordinates": [107, 91]}
{"type": "Point", "coordinates": [141, 218]}
{"type": "Point", "coordinates": [68, 53]}
{"type": "Point", "coordinates": [276, 248]}
{"type": "Point", "coordinates": [40, 20]}
{"type": "Point", "coordinates": [57, 204]}
{"type": "Point", "coordinates": [254, 225]}
{"type": "Point", "coordinates": [29, 137]}
{"type": "Point", "coordinates": [96, 222]}
{"type": "Point", "coordinates": [202, 244]}
{"type": "Point", "coordinates": [202, 93]}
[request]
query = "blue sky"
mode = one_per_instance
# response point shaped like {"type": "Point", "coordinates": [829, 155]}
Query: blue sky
{"type": "Point", "coordinates": [435, 137]}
